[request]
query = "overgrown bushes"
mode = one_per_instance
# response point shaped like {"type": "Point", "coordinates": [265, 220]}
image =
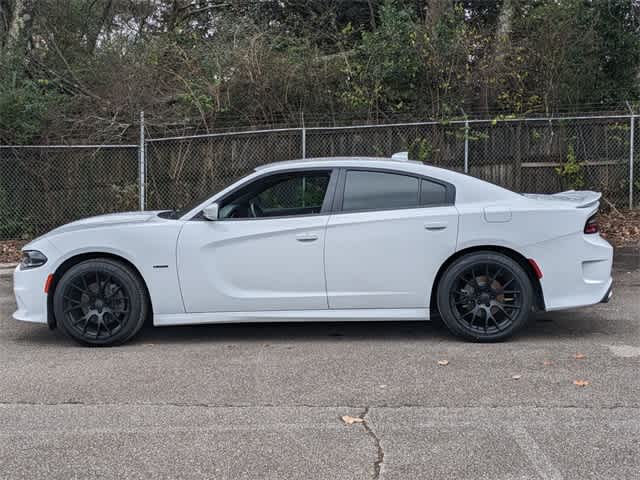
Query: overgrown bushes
{"type": "Point", "coordinates": [82, 70]}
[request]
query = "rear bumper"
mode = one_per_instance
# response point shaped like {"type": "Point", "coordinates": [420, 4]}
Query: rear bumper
{"type": "Point", "coordinates": [608, 295]}
{"type": "Point", "coordinates": [576, 270]}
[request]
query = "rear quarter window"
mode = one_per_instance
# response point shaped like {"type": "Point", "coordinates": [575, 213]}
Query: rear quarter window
{"type": "Point", "coordinates": [432, 193]}
{"type": "Point", "coordinates": [379, 190]}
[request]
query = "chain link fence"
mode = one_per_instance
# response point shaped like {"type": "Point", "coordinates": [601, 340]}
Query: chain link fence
{"type": "Point", "coordinates": [45, 186]}
{"type": "Point", "coordinates": [543, 156]}
{"type": "Point", "coordinates": [182, 170]}
{"type": "Point", "coordinates": [42, 187]}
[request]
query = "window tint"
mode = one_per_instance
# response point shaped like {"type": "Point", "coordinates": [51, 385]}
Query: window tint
{"type": "Point", "coordinates": [432, 193]}
{"type": "Point", "coordinates": [280, 195]}
{"type": "Point", "coordinates": [378, 190]}
{"type": "Point", "coordinates": [302, 191]}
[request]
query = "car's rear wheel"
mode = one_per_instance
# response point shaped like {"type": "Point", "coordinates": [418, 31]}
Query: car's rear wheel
{"type": "Point", "coordinates": [485, 296]}
{"type": "Point", "coordinates": [100, 302]}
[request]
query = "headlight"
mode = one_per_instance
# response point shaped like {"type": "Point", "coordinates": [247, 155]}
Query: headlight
{"type": "Point", "coordinates": [32, 259]}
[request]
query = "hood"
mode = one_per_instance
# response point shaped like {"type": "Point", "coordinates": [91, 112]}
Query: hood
{"type": "Point", "coordinates": [125, 218]}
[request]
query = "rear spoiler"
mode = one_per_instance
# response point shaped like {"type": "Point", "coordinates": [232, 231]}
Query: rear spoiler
{"type": "Point", "coordinates": [580, 198]}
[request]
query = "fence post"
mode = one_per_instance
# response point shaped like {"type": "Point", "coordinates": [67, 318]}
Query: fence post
{"type": "Point", "coordinates": [466, 144]}
{"type": "Point", "coordinates": [304, 136]}
{"type": "Point", "coordinates": [142, 164]}
{"type": "Point", "coordinates": [631, 155]}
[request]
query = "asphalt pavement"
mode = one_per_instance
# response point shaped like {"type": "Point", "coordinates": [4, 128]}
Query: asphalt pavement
{"type": "Point", "coordinates": [265, 401]}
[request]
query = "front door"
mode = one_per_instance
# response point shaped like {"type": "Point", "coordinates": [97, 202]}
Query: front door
{"type": "Point", "coordinates": [264, 253]}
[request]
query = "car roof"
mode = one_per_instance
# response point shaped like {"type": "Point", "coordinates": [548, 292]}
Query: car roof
{"type": "Point", "coordinates": [469, 189]}
{"type": "Point", "coordinates": [324, 162]}
{"type": "Point", "coordinates": [405, 166]}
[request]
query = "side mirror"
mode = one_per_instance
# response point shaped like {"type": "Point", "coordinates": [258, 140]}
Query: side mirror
{"type": "Point", "coordinates": [210, 212]}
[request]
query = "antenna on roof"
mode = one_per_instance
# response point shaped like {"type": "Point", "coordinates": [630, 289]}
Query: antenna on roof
{"type": "Point", "coordinates": [400, 156]}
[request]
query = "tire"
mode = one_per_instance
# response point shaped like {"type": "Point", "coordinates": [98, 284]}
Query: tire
{"type": "Point", "coordinates": [485, 296]}
{"type": "Point", "coordinates": [100, 303]}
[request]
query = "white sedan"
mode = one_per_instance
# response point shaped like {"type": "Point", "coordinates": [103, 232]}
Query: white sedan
{"type": "Point", "coordinates": [323, 240]}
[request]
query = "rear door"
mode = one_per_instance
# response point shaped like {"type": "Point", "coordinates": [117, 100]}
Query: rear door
{"type": "Point", "coordinates": [388, 236]}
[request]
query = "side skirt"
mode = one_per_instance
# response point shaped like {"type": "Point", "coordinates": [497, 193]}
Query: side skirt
{"type": "Point", "coordinates": [360, 314]}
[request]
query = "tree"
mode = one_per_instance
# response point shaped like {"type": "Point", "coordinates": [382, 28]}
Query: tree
{"type": "Point", "coordinates": [83, 69]}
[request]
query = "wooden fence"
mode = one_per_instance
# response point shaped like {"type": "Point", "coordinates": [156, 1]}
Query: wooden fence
{"type": "Point", "coordinates": [45, 186]}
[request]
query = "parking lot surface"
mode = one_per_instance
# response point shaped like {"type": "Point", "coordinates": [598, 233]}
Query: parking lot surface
{"type": "Point", "coordinates": [266, 400]}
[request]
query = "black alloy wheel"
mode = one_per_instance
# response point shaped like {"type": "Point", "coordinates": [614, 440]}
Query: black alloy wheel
{"type": "Point", "coordinates": [485, 296]}
{"type": "Point", "coordinates": [100, 302]}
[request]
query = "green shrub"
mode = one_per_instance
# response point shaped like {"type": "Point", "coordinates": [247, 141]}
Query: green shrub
{"type": "Point", "coordinates": [571, 172]}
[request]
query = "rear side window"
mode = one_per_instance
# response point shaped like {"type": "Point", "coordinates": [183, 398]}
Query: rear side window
{"type": "Point", "coordinates": [432, 193]}
{"type": "Point", "coordinates": [379, 191]}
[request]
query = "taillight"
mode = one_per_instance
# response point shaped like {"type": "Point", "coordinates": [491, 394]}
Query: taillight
{"type": "Point", "coordinates": [592, 225]}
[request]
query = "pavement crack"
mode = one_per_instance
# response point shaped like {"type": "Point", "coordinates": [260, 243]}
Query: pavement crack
{"type": "Point", "coordinates": [377, 464]}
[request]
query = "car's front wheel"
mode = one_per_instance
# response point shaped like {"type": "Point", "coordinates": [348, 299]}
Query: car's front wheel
{"type": "Point", "coordinates": [484, 296]}
{"type": "Point", "coordinates": [100, 302]}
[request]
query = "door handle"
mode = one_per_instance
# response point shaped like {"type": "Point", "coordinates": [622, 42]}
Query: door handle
{"type": "Point", "coordinates": [433, 226]}
{"type": "Point", "coordinates": [306, 237]}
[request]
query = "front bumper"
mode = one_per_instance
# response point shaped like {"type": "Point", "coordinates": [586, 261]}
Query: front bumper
{"type": "Point", "coordinates": [28, 285]}
{"type": "Point", "coordinates": [28, 288]}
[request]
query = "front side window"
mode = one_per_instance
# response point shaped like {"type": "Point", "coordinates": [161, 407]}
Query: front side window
{"type": "Point", "coordinates": [280, 195]}
{"type": "Point", "coordinates": [379, 191]}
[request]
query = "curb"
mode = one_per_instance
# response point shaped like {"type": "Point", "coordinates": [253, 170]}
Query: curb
{"type": "Point", "coordinates": [6, 269]}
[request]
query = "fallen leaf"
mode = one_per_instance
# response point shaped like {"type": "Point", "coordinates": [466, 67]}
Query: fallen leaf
{"type": "Point", "coordinates": [10, 251]}
{"type": "Point", "coordinates": [516, 377]}
{"type": "Point", "coordinates": [443, 363]}
{"type": "Point", "coordinates": [580, 383]}
{"type": "Point", "coordinates": [621, 228]}
{"type": "Point", "coordinates": [349, 420]}
{"type": "Point", "coordinates": [579, 356]}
